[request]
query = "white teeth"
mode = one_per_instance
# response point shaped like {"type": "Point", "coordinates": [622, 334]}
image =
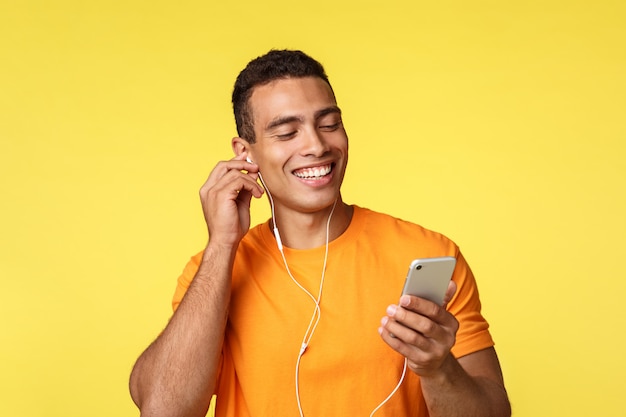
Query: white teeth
{"type": "Point", "coordinates": [313, 172]}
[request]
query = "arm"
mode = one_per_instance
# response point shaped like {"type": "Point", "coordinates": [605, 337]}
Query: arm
{"type": "Point", "coordinates": [424, 333]}
{"type": "Point", "coordinates": [176, 375]}
{"type": "Point", "coordinates": [470, 386]}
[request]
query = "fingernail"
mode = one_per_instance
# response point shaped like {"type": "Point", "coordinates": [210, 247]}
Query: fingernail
{"type": "Point", "coordinates": [405, 300]}
{"type": "Point", "coordinates": [384, 321]}
{"type": "Point", "coordinates": [391, 310]}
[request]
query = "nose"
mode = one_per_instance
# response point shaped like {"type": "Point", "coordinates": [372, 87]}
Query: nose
{"type": "Point", "coordinates": [314, 143]}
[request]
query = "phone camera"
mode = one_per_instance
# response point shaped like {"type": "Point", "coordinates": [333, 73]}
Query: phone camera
{"type": "Point", "coordinates": [418, 267]}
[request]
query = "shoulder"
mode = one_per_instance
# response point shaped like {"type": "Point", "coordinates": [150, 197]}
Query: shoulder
{"type": "Point", "coordinates": [387, 227]}
{"type": "Point", "coordinates": [257, 240]}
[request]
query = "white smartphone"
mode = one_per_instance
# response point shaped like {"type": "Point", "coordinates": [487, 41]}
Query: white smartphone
{"type": "Point", "coordinates": [429, 277]}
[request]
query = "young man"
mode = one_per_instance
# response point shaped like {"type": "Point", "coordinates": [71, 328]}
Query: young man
{"type": "Point", "coordinates": [282, 319]}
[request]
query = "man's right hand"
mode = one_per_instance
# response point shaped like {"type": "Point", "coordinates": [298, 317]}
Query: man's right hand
{"type": "Point", "coordinates": [177, 373]}
{"type": "Point", "coordinates": [226, 197]}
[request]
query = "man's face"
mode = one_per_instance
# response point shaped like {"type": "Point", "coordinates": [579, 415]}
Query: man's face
{"type": "Point", "coordinates": [301, 146]}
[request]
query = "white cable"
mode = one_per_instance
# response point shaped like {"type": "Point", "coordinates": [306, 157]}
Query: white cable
{"type": "Point", "coordinates": [317, 312]}
{"type": "Point", "coordinates": [394, 390]}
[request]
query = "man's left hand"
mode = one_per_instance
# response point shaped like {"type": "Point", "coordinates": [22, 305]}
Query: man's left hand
{"type": "Point", "coordinates": [421, 330]}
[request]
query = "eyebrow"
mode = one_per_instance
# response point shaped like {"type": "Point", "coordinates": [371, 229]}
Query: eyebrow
{"type": "Point", "coordinates": [282, 121]}
{"type": "Point", "coordinates": [290, 119]}
{"type": "Point", "coordinates": [327, 110]}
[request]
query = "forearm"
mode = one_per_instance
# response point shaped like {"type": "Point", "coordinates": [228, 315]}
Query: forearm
{"type": "Point", "coordinates": [176, 375]}
{"type": "Point", "coordinates": [452, 392]}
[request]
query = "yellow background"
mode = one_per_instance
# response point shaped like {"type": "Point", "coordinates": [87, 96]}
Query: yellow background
{"type": "Point", "coordinates": [500, 124]}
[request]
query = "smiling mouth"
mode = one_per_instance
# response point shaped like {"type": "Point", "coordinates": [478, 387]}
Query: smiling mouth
{"type": "Point", "coordinates": [314, 173]}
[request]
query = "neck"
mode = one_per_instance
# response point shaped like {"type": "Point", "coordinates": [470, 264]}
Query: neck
{"type": "Point", "coordinates": [308, 230]}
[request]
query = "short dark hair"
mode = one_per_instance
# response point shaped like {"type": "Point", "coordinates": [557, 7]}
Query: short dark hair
{"type": "Point", "coordinates": [274, 65]}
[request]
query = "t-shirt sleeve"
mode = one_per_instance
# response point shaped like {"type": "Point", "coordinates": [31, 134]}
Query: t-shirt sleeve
{"type": "Point", "coordinates": [184, 280]}
{"type": "Point", "coordinates": [473, 334]}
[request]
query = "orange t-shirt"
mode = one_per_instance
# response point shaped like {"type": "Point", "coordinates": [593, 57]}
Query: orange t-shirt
{"type": "Point", "coordinates": [347, 369]}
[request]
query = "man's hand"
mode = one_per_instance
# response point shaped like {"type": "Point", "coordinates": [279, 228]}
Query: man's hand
{"type": "Point", "coordinates": [226, 196]}
{"type": "Point", "coordinates": [177, 373]}
{"type": "Point", "coordinates": [422, 331]}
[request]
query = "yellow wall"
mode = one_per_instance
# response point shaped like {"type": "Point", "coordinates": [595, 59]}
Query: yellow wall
{"type": "Point", "coordinates": [500, 124]}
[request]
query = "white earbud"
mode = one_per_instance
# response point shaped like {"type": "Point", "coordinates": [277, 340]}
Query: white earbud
{"type": "Point", "coordinates": [276, 234]}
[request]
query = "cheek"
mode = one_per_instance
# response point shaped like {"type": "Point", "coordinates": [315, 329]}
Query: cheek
{"type": "Point", "coordinates": [340, 138]}
{"type": "Point", "coordinates": [279, 155]}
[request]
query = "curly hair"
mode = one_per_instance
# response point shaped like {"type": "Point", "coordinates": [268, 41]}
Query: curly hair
{"type": "Point", "coordinates": [276, 64]}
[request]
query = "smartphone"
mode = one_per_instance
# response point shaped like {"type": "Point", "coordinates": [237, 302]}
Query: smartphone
{"type": "Point", "coordinates": [429, 277]}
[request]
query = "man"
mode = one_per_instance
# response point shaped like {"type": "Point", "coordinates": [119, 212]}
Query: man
{"type": "Point", "coordinates": [282, 319]}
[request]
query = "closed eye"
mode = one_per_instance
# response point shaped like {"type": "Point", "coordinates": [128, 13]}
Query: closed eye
{"type": "Point", "coordinates": [330, 128]}
{"type": "Point", "coordinates": [287, 135]}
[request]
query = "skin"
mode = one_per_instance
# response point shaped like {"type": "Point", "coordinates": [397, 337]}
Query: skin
{"type": "Point", "coordinates": [424, 333]}
{"type": "Point", "coordinates": [176, 374]}
{"type": "Point", "coordinates": [298, 127]}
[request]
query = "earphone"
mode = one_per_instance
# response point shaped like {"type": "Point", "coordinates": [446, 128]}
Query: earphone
{"type": "Point", "coordinates": [317, 312]}
{"type": "Point", "coordinates": [276, 233]}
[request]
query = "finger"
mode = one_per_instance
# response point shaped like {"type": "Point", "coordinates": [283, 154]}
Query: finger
{"type": "Point", "coordinates": [421, 306]}
{"type": "Point", "coordinates": [401, 334]}
{"type": "Point", "coordinates": [244, 197]}
{"type": "Point", "coordinates": [423, 352]}
{"type": "Point", "coordinates": [420, 354]}
{"type": "Point", "coordinates": [236, 185]}
{"type": "Point", "coordinates": [240, 157]}
{"type": "Point", "coordinates": [228, 176]}
{"type": "Point", "coordinates": [249, 166]}
{"type": "Point", "coordinates": [415, 322]}
{"type": "Point", "coordinates": [238, 164]}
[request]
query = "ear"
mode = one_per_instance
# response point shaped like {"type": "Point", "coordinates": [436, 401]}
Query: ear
{"type": "Point", "coordinates": [239, 145]}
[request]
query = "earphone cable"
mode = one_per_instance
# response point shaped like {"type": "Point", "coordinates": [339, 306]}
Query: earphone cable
{"type": "Point", "coordinates": [317, 313]}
